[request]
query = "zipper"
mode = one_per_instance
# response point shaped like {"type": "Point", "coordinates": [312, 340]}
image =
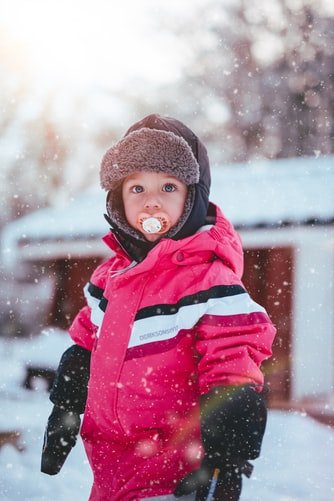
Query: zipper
{"type": "Point", "coordinates": [115, 273]}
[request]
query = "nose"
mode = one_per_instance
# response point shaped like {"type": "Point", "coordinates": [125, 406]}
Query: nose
{"type": "Point", "coordinates": [152, 203]}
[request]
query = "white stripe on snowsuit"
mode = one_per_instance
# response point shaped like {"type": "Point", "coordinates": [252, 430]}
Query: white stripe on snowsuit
{"type": "Point", "coordinates": [159, 327]}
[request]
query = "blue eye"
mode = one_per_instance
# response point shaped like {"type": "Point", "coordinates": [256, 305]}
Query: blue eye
{"type": "Point", "coordinates": [169, 187]}
{"type": "Point", "coordinates": [137, 189]}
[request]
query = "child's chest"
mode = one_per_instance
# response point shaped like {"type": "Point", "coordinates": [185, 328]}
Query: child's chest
{"type": "Point", "coordinates": [148, 309]}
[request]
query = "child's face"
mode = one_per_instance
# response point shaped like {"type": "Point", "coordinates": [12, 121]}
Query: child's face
{"type": "Point", "coordinates": [152, 193]}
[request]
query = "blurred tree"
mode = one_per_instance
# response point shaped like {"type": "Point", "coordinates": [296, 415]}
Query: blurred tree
{"type": "Point", "coordinates": [34, 167]}
{"type": "Point", "coordinates": [51, 142]}
{"type": "Point", "coordinates": [298, 88]}
{"type": "Point", "coordinates": [261, 78]}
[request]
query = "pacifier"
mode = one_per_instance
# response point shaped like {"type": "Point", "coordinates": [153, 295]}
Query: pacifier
{"type": "Point", "coordinates": [158, 223]}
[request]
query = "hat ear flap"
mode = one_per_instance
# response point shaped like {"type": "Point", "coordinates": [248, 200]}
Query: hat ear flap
{"type": "Point", "coordinates": [114, 203]}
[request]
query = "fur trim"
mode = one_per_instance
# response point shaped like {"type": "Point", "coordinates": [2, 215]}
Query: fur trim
{"type": "Point", "coordinates": [149, 150]}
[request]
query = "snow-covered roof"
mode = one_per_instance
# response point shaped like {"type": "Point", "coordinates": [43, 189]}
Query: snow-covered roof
{"type": "Point", "coordinates": [81, 217]}
{"type": "Point", "coordinates": [276, 192]}
{"type": "Point", "coordinates": [269, 193]}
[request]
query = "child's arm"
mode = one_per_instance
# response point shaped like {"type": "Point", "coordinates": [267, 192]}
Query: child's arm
{"type": "Point", "coordinates": [233, 410]}
{"type": "Point", "coordinates": [69, 391]}
{"type": "Point", "coordinates": [68, 394]}
{"type": "Point", "coordinates": [232, 346]}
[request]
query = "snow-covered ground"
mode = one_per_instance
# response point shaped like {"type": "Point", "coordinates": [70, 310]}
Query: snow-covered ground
{"type": "Point", "coordinates": [296, 463]}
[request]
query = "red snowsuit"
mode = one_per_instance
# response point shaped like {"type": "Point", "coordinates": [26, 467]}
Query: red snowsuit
{"type": "Point", "coordinates": [163, 332]}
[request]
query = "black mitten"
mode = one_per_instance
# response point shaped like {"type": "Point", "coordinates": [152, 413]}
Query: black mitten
{"type": "Point", "coordinates": [69, 389]}
{"type": "Point", "coordinates": [210, 483]}
{"type": "Point", "coordinates": [69, 394]}
{"type": "Point", "coordinates": [59, 438]}
{"type": "Point", "coordinates": [233, 421]}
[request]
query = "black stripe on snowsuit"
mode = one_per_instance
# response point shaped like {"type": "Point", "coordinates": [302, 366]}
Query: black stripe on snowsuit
{"type": "Point", "coordinates": [95, 291]}
{"type": "Point", "coordinates": [218, 291]}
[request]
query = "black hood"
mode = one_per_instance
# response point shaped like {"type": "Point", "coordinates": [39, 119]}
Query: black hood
{"type": "Point", "coordinates": [198, 213]}
{"type": "Point", "coordinates": [138, 248]}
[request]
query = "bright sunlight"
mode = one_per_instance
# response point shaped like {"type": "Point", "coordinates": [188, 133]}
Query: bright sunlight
{"type": "Point", "coordinates": [87, 42]}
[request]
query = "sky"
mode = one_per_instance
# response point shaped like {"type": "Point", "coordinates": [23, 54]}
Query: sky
{"type": "Point", "coordinates": [86, 43]}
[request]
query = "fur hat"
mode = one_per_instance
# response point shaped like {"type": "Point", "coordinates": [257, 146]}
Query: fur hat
{"type": "Point", "coordinates": [149, 150]}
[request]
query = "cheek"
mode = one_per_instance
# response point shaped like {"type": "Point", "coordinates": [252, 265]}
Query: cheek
{"type": "Point", "coordinates": [129, 210]}
{"type": "Point", "coordinates": [130, 215]}
{"type": "Point", "coordinates": [180, 204]}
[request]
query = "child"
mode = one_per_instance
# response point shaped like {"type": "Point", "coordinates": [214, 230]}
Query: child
{"type": "Point", "coordinates": [170, 340]}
